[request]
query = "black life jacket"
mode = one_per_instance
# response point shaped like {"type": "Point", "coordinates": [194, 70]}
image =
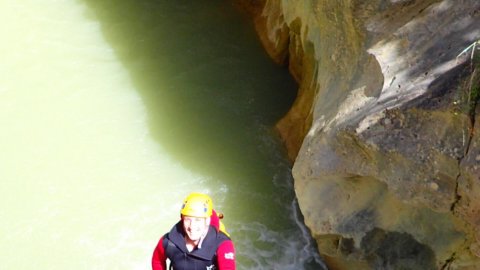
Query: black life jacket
{"type": "Point", "coordinates": [204, 258]}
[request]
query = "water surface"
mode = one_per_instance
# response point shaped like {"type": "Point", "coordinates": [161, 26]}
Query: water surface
{"type": "Point", "coordinates": [112, 111]}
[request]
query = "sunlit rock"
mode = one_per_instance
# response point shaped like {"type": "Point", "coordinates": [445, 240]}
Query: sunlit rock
{"type": "Point", "coordinates": [383, 131]}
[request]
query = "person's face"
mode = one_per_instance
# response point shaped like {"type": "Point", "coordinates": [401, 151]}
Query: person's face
{"type": "Point", "coordinates": [195, 227]}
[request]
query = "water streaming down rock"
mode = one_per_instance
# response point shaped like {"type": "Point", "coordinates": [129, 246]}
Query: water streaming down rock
{"type": "Point", "coordinates": [115, 110]}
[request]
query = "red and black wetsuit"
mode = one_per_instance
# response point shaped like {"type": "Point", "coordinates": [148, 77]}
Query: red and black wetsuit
{"type": "Point", "coordinates": [216, 252]}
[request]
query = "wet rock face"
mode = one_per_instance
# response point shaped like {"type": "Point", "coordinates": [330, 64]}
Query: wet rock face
{"type": "Point", "coordinates": [384, 133]}
{"type": "Point", "coordinates": [394, 250]}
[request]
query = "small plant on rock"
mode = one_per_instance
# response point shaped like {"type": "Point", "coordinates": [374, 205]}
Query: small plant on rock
{"type": "Point", "coordinates": [473, 84]}
{"type": "Point", "coordinates": [475, 45]}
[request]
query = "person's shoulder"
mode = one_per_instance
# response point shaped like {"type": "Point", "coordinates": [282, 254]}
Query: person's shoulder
{"type": "Point", "coordinates": [223, 236]}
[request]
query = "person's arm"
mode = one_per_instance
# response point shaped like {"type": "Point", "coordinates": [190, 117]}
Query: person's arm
{"type": "Point", "coordinates": [226, 256]}
{"type": "Point", "coordinates": [159, 257]}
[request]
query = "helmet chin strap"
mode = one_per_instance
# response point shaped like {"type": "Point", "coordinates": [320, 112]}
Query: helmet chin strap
{"type": "Point", "coordinates": [192, 244]}
{"type": "Point", "coordinates": [199, 246]}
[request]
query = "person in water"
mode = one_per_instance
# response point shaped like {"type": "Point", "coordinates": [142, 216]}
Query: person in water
{"type": "Point", "coordinates": [198, 241]}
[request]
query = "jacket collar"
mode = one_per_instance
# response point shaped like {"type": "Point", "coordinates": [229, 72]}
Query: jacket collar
{"type": "Point", "coordinates": [209, 244]}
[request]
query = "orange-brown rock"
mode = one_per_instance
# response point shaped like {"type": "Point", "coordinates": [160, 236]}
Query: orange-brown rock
{"type": "Point", "coordinates": [384, 132]}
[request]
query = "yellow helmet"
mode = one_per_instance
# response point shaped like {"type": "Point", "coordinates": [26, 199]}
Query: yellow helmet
{"type": "Point", "coordinates": [197, 205]}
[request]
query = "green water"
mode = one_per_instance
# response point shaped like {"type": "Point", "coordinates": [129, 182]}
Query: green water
{"type": "Point", "coordinates": [113, 111]}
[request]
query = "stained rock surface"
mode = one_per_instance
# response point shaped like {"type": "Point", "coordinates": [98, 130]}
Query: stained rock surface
{"type": "Point", "coordinates": [384, 132]}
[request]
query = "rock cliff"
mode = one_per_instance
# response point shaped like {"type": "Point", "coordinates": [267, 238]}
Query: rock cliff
{"type": "Point", "coordinates": [384, 130]}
